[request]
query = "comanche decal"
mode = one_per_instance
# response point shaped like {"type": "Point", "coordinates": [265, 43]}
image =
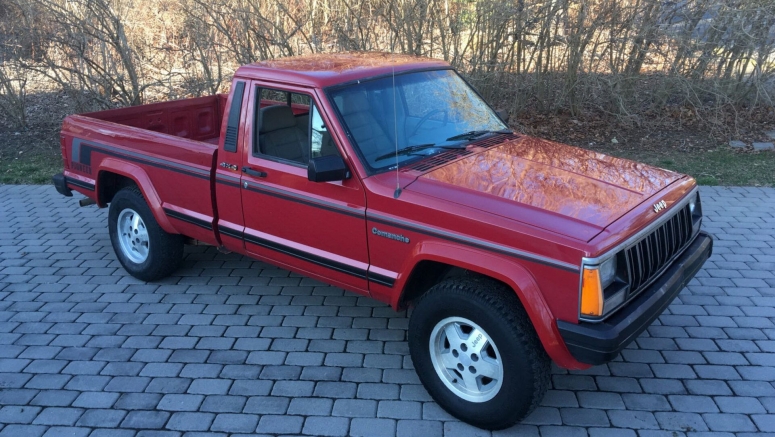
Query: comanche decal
{"type": "Point", "coordinates": [390, 235]}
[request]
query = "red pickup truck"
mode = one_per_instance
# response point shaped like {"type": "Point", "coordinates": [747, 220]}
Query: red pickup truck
{"type": "Point", "coordinates": [389, 176]}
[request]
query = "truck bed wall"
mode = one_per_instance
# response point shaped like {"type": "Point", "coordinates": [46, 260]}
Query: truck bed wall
{"type": "Point", "coordinates": [196, 119]}
{"type": "Point", "coordinates": [173, 172]}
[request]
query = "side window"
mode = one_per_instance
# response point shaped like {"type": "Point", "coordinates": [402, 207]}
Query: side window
{"type": "Point", "coordinates": [290, 128]}
{"type": "Point", "coordinates": [283, 124]}
{"type": "Point", "coordinates": [320, 138]}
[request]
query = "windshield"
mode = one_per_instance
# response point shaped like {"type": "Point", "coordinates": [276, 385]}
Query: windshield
{"type": "Point", "coordinates": [434, 110]}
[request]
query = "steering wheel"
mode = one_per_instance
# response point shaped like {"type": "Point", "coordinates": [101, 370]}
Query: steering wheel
{"type": "Point", "coordinates": [428, 116]}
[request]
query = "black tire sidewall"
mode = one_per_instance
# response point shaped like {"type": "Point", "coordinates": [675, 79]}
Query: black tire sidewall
{"type": "Point", "coordinates": [515, 396]}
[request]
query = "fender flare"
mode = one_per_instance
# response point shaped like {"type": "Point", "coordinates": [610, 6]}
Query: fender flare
{"type": "Point", "coordinates": [143, 182]}
{"type": "Point", "coordinates": [506, 270]}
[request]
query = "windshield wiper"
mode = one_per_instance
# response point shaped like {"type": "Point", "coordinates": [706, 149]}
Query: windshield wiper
{"type": "Point", "coordinates": [415, 148]}
{"type": "Point", "coordinates": [470, 135]}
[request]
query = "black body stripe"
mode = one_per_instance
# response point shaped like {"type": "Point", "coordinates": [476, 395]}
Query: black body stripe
{"type": "Point", "coordinates": [381, 280]}
{"type": "Point", "coordinates": [291, 197]}
{"type": "Point", "coordinates": [226, 180]}
{"type": "Point", "coordinates": [299, 254]}
{"type": "Point", "coordinates": [188, 219]}
{"type": "Point", "coordinates": [161, 165]}
{"type": "Point", "coordinates": [315, 259]}
{"type": "Point", "coordinates": [490, 248]}
{"type": "Point", "coordinates": [304, 201]}
{"type": "Point", "coordinates": [88, 148]}
{"type": "Point", "coordinates": [80, 184]}
{"type": "Point", "coordinates": [231, 232]}
{"type": "Point", "coordinates": [474, 244]}
{"type": "Point", "coordinates": [85, 156]}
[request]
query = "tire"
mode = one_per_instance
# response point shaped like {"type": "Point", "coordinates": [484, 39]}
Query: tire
{"type": "Point", "coordinates": [149, 253]}
{"type": "Point", "coordinates": [501, 385]}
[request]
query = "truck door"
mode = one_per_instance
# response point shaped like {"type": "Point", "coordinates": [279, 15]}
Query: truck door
{"type": "Point", "coordinates": [317, 228]}
{"type": "Point", "coordinates": [228, 196]}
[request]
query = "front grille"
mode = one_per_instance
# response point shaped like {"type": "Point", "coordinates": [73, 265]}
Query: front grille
{"type": "Point", "coordinates": [648, 257]}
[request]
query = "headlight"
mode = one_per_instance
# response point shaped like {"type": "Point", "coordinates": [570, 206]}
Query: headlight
{"type": "Point", "coordinates": [608, 272]}
{"type": "Point", "coordinates": [594, 282]}
{"type": "Point", "coordinates": [693, 204]}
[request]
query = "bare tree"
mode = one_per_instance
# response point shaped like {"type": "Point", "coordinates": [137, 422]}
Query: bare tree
{"type": "Point", "coordinates": [623, 57]}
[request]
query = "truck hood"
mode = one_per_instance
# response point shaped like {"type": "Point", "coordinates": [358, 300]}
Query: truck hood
{"type": "Point", "coordinates": [564, 189]}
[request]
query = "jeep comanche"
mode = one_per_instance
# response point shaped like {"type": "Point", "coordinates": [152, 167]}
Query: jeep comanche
{"type": "Point", "coordinates": [389, 176]}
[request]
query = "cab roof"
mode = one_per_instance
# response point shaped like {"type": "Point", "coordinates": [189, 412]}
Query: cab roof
{"type": "Point", "coordinates": [323, 70]}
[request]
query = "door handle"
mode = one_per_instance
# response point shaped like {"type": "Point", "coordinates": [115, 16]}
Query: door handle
{"type": "Point", "coordinates": [251, 172]}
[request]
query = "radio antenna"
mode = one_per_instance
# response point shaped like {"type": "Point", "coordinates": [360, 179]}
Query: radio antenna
{"type": "Point", "coordinates": [395, 134]}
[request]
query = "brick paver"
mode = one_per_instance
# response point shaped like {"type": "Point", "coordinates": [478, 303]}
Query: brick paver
{"type": "Point", "coordinates": [232, 346]}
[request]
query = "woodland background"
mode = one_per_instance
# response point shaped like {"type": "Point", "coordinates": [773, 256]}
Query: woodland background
{"type": "Point", "coordinates": [604, 74]}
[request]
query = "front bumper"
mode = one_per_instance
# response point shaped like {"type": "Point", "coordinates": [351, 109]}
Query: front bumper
{"type": "Point", "coordinates": [598, 343]}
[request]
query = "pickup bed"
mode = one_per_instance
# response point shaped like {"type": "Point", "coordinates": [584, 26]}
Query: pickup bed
{"type": "Point", "coordinates": [388, 176]}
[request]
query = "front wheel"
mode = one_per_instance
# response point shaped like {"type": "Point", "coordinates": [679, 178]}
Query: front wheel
{"type": "Point", "coordinates": [476, 352]}
{"type": "Point", "coordinates": [145, 250]}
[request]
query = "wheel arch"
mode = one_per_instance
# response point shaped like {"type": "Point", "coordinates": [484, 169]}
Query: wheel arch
{"type": "Point", "coordinates": [438, 261]}
{"type": "Point", "coordinates": [113, 175]}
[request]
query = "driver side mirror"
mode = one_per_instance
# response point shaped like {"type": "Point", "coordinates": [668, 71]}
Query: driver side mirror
{"type": "Point", "coordinates": [503, 115]}
{"type": "Point", "coordinates": [327, 168]}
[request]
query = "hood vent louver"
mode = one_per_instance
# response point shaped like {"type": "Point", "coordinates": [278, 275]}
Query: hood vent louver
{"type": "Point", "coordinates": [494, 141]}
{"type": "Point", "coordinates": [435, 161]}
{"type": "Point", "coordinates": [451, 155]}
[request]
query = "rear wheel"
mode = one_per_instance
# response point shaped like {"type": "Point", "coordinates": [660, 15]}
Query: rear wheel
{"type": "Point", "coordinates": [476, 352]}
{"type": "Point", "coordinates": [145, 250]}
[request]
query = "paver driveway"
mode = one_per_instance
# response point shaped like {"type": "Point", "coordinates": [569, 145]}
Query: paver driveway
{"type": "Point", "coordinates": [233, 346]}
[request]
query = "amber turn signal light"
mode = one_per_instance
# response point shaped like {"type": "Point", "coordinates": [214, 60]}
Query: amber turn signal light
{"type": "Point", "coordinates": [591, 294]}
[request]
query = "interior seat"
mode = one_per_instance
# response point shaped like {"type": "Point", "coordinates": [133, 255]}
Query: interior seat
{"type": "Point", "coordinates": [280, 136]}
{"type": "Point", "coordinates": [371, 138]}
